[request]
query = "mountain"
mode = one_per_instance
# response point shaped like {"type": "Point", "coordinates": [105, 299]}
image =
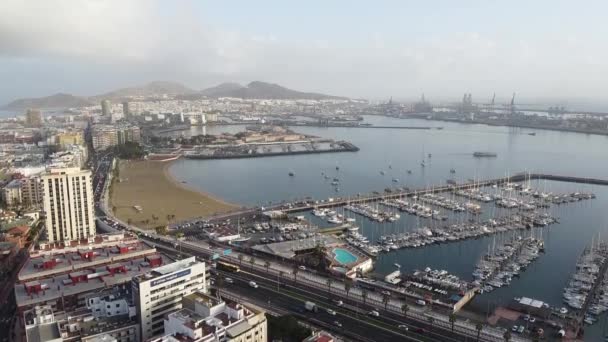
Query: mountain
{"type": "Point", "coordinates": [150, 89]}
{"type": "Point", "coordinates": [263, 90]}
{"type": "Point", "coordinates": [254, 90]}
{"type": "Point", "coordinates": [59, 100]}
{"type": "Point", "coordinates": [221, 89]}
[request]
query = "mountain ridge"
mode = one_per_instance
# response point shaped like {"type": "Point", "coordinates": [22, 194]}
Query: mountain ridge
{"type": "Point", "coordinates": [253, 90]}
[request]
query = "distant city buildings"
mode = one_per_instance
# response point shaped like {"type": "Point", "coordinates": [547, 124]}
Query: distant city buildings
{"type": "Point", "coordinates": [105, 136]}
{"type": "Point", "coordinates": [68, 204]}
{"type": "Point", "coordinates": [33, 118]}
{"type": "Point", "coordinates": [106, 107]}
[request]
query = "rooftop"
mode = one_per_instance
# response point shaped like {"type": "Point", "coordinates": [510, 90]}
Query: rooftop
{"type": "Point", "coordinates": [100, 240]}
{"type": "Point", "coordinates": [105, 324]}
{"type": "Point", "coordinates": [288, 249]}
{"type": "Point", "coordinates": [42, 333]}
{"type": "Point", "coordinates": [167, 269]}
{"type": "Point", "coordinates": [99, 278]}
{"type": "Point", "coordinates": [72, 260]}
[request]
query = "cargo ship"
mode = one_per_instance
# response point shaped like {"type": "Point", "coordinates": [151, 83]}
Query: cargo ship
{"type": "Point", "coordinates": [483, 154]}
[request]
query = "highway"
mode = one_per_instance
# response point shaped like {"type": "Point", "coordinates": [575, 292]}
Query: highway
{"type": "Point", "coordinates": [308, 288]}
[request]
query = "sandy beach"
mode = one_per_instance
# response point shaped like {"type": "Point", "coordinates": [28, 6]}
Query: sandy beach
{"type": "Point", "coordinates": [149, 185]}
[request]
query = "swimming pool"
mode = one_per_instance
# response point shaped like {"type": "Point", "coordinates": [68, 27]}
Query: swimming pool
{"type": "Point", "coordinates": [343, 256]}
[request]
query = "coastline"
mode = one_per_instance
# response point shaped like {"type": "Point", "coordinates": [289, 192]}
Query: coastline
{"type": "Point", "coordinates": [148, 196]}
{"type": "Point", "coordinates": [179, 184]}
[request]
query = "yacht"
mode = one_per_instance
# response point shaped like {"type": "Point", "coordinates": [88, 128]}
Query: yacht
{"type": "Point", "coordinates": [318, 212]}
{"type": "Point", "coordinates": [334, 220]}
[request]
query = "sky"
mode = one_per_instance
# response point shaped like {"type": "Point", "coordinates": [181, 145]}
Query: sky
{"type": "Point", "coordinates": [542, 49]}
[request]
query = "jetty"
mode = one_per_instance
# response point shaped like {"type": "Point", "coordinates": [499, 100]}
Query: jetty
{"type": "Point", "coordinates": [399, 194]}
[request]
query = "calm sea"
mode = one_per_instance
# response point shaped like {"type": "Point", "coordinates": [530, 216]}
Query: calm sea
{"type": "Point", "coordinates": [258, 181]}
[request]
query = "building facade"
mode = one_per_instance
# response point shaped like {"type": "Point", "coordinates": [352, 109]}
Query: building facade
{"type": "Point", "coordinates": [160, 292]}
{"type": "Point", "coordinates": [33, 118]}
{"type": "Point", "coordinates": [105, 136]}
{"type": "Point", "coordinates": [106, 107]}
{"type": "Point", "coordinates": [68, 204]}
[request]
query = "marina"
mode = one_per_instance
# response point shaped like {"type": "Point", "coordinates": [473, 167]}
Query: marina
{"type": "Point", "coordinates": [359, 177]}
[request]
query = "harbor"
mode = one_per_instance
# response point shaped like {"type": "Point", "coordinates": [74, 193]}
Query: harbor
{"type": "Point", "coordinates": [359, 178]}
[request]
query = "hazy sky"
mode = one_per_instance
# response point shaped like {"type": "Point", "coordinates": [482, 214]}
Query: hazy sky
{"type": "Point", "coordinates": [371, 49]}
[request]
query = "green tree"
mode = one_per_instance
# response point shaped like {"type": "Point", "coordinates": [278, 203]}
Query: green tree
{"type": "Point", "coordinates": [452, 320]}
{"type": "Point", "coordinates": [267, 265]}
{"type": "Point", "coordinates": [252, 261]}
{"type": "Point", "coordinates": [386, 298]}
{"type": "Point", "coordinates": [329, 281]}
{"type": "Point", "coordinates": [219, 284]}
{"type": "Point", "coordinates": [240, 257]}
{"type": "Point", "coordinates": [405, 308]}
{"type": "Point", "coordinates": [364, 295]}
{"type": "Point", "coordinates": [295, 271]}
{"type": "Point", "coordinates": [507, 336]}
{"type": "Point", "coordinates": [479, 328]}
{"type": "Point", "coordinates": [431, 320]}
{"type": "Point", "coordinates": [348, 284]}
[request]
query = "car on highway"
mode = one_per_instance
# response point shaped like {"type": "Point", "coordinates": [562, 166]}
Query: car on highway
{"type": "Point", "coordinates": [374, 313]}
{"type": "Point", "coordinates": [331, 312]}
{"type": "Point", "coordinates": [419, 330]}
{"type": "Point", "coordinates": [403, 327]}
{"type": "Point", "coordinates": [253, 284]}
{"type": "Point", "coordinates": [229, 280]}
{"type": "Point", "coordinates": [338, 302]}
{"type": "Point", "coordinates": [338, 324]}
{"type": "Point", "coordinates": [303, 268]}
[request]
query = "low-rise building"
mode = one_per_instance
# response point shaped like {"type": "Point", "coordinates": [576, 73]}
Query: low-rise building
{"type": "Point", "coordinates": [11, 193]}
{"type": "Point", "coordinates": [204, 318]}
{"type": "Point", "coordinates": [64, 275]}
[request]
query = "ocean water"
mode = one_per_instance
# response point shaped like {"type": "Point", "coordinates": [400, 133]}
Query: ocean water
{"type": "Point", "coordinates": [262, 180]}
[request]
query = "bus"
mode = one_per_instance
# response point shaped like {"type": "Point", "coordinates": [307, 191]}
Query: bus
{"type": "Point", "coordinates": [224, 266]}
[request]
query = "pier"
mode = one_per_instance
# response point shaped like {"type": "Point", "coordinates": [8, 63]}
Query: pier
{"type": "Point", "coordinates": [464, 186]}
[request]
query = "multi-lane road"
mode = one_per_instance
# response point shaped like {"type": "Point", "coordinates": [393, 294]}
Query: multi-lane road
{"type": "Point", "coordinates": [292, 294]}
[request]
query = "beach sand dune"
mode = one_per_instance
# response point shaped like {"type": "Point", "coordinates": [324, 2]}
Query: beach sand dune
{"type": "Point", "coordinates": [147, 184]}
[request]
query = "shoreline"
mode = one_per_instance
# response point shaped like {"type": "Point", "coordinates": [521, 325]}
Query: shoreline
{"type": "Point", "coordinates": [148, 196]}
{"type": "Point", "coordinates": [185, 187]}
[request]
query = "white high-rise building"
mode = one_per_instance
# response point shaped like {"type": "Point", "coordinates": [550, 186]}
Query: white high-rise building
{"type": "Point", "coordinates": [68, 204]}
{"type": "Point", "coordinates": [161, 291]}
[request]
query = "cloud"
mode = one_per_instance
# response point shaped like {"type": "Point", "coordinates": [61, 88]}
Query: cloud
{"type": "Point", "coordinates": [103, 44]}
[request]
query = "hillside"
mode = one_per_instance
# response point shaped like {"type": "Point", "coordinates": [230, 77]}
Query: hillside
{"type": "Point", "coordinates": [263, 90]}
{"type": "Point", "coordinates": [150, 89]}
{"type": "Point", "coordinates": [59, 100]}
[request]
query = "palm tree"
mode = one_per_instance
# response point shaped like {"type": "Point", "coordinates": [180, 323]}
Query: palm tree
{"type": "Point", "coordinates": [452, 320]}
{"type": "Point", "coordinates": [479, 328]}
{"type": "Point", "coordinates": [329, 281]}
{"type": "Point", "coordinates": [348, 284]}
{"type": "Point", "coordinates": [252, 261]}
{"type": "Point", "coordinates": [431, 321]}
{"type": "Point", "coordinates": [240, 257]}
{"type": "Point", "coordinates": [295, 273]}
{"type": "Point", "coordinates": [219, 283]}
{"type": "Point", "coordinates": [405, 308]}
{"type": "Point", "coordinates": [386, 299]}
{"type": "Point", "coordinates": [507, 336]}
{"type": "Point", "coordinates": [267, 265]}
{"type": "Point", "coordinates": [364, 295]}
